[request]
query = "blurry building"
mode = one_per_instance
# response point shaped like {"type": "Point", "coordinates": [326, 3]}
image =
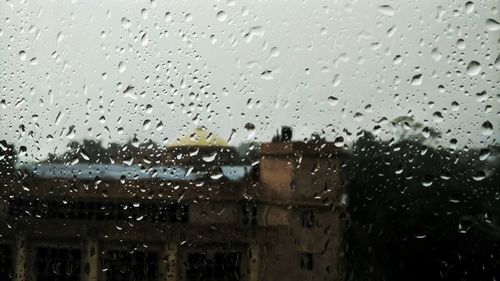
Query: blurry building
{"type": "Point", "coordinates": [194, 211]}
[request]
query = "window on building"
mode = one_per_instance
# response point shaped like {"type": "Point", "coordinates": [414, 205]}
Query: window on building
{"type": "Point", "coordinates": [308, 218]}
{"type": "Point", "coordinates": [307, 261]}
{"type": "Point", "coordinates": [248, 214]}
{"type": "Point", "coordinates": [213, 266]}
{"type": "Point", "coordinates": [6, 265]}
{"type": "Point", "coordinates": [122, 265]}
{"type": "Point", "coordinates": [41, 208]}
{"type": "Point", "coordinates": [62, 264]}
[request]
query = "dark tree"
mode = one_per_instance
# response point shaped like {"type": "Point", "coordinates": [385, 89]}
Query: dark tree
{"type": "Point", "coordinates": [421, 213]}
{"type": "Point", "coordinates": [8, 159]}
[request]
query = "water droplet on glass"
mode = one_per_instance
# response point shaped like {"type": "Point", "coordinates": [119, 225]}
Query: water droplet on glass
{"type": "Point", "coordinates": [210, 157]}
{"type": "Point", "coordinates": [479, 175]}
{"type": "Point", "coordinates": [482, 96]}
{"type": "Point", "coordinates": [497, 62]}
{"type": "Point", "coordinates": [339, 141]}
{"type": "Point", "coordinates": [168, 16]}
{"type": "Point", "coordinates": [487, 128]}
{"type": "Point", "coordinates": [144, 39]}
{"type": "Point", "coordinates": [84, 154]}
{"type": "Point", "coordinates": [387, 10]}
{"type": "Point", "coordinates": [426, 132]}
{"type": "Point", "coordinates": [492, 25]}
{"type": "Point", "coordinates": [469, 7]}
{"type": "Point", "coordinates": [358, 117]}
{"type": "Point", "coordinates": [416, 80]}
{"type": "Point", "coordinates": [146, 124]}
{"type": "Point", "coordinates": [126, 23]}
{"type": "Point", "coordinates": [336, 80]}
{"type": "Point", "coordinates": [436, 54]}
{"type": "Point", "coordinates": [267, 75]}
{"type": "Point", "coordinates": [427, 181]}
{"type": "Point", "coordinates": [60, 37]}
{"type": "Point", "coordinates": [22, 55]}
{"type": "Point", "coordinates": [438, 117]}
{"type": "Point", "coordinates": [484, 154]}
{"type": "Point", "coordinates": [274, 52]}
{"type": "Point", "coordinates": [121, 66]}
{"type": "Point", "coordinates": [251, 130]}
{"type": "Point", "coordinates": [256, 31]}
{"type": "Point", "coordinates": [332, 101]}
{"type": "Point", "coordinates": [144, 14]}
{"type": "Point", "coordinates": [221, 16]}
{"type": "Point", "coordinates": [473, 68]}
{"type": "Point", "coordinates": [397, 59]}
{"type": "Point", "coordinates": [216, 176]}
{"type": "Point", "coordinates": [34, 61]}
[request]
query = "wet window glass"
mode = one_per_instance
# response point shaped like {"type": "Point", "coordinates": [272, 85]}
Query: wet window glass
{"type": "Point", "coordinates": [234, 140]}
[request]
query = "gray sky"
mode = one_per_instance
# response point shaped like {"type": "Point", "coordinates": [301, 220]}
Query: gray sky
{"type": "Point", "coordinates": [315, 65]}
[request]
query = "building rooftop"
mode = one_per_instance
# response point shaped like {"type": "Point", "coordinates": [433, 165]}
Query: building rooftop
{"type": "Point", "coordinates": [135, 172]}
{"type": "Point", "coordinates": [200, 137]}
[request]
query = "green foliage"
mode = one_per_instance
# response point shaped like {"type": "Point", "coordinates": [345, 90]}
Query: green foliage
{"type": "Point", "coordinates": [8, 159]}
{"type": "Point", "coordinates": [87, 151]}
{"type": "Point", "coordinates": [409, 129]}
{"type": "Point", "coordinates": [248, 151]}
{"type": "Point", "coordinates": [418, 213]}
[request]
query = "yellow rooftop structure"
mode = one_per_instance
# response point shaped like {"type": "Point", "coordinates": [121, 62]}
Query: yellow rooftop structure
{"type": "Point", "coordinates": [200, 137]}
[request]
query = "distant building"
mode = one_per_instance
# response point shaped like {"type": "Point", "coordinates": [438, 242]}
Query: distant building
{"type": "Point", "coordinates": [195, 212]}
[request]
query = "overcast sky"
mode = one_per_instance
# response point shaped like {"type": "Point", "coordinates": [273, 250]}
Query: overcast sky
{"type": "Point", "coordinates": [159, 69]}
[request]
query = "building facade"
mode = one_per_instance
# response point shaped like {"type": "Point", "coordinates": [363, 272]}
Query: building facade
{"type": "Point", "coordinates": [207, 217]}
